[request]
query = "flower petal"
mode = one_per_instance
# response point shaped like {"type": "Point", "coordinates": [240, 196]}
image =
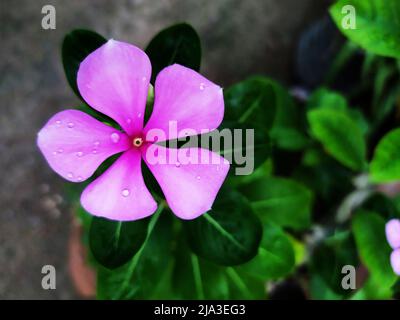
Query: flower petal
{"type": "Point", "coordinates": [395, 261]}
{"type": "Point", "coordinates": [190, 187]}
{"type": "Point", "coordinates": [120, 193]}
{"type": "Point", "coordinates": [185, 96]}
{"type": "Point", "coordinates": [393, 233]}
{"type": "Point", "coordinates": [75, 144]}
{"type": "Point", "coordinates": [114, 79]}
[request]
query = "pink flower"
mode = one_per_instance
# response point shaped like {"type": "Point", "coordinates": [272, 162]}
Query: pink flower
{"type": "Point", "coordinates": [393, 233]}
{"type": "Point", "coordinates": [114, 80]}
{"type": "Point", "coordinates": [393, 237]}
{"type": "Point", "coordinates": [395, 261]}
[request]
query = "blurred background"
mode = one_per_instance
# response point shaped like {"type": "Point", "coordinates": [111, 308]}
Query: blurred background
{"type": "Point", "coordinates": [239, 38]}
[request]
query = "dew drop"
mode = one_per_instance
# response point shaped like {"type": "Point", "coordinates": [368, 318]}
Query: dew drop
{"type": "Point", "coordinates": [144, 78]}
{"type": "Point", "coordinates": [58, 123]}
{"type": "Point", "coordinates": [198, 178]}
{"type": "Point", "coordinates": [79, 154]}
{"type": "Point", "coordinates": [125, 192]}
{"type": "Point", "coordinates": [60, 150]}
{"type": "Point", "coordinates": [70, 125]}
{"type": "Point", "coordinates": [94, 151]}
{"type": "Point", "coordinates": [202, 86]}
{"type": "Point", "coordinates": [55, 152]}
{"type": "Point", "coordinates": [96, 143]}
{"type": "Point", "coordinates": [177, 164]}
{"type": "Point", "coordinates": [114, 137]}
{"type": "Point", "coordinates": [129, 121]}
{"type": "Point", "coordinates": [70, 175]}
{"type": "Point", "coordinates": [139, 115]}
{"type": "Point", "coordinates": [79, 178]}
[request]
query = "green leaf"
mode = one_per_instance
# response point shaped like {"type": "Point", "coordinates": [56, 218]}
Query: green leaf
{"type": "Point", "coordinates": [284, 202]}
{"type": "Point", "coordinates": [250, 105]}
{"type": "Point", "coordinates": [229, 234]}
{"type": "Point", "coordinates": [340, 135]}
{"type": "Point", "coordinates": [372, 289]}
{"type": "Point", "coordinates": [113, 243]}
{"type": "Point", "coordinates": [287, 131]}
{"type": "Point", "coordinates": [195, 278]}
{"type": "Point", "coordinates": [377, 25]}
{"type": "Point", "coordinates": [325, 98]}
{"type": "Point", "coordinates": [275, 258]}
{"type": "Point", "coordinates": [385, 164]}
{"type": "Point", "coordinates": [369, 232]}
{"type": "Point", "coordinates": [251, 102]}
{"type": "Point", "coordinates": [319, 290]}
{"type": "Point", "coordinates": [77, 45]}
{"type": "Point", "coordinates": [179, 43]}
{"type": "Point", "coordinates": [330, 256]}
{"type": "Point", "coordinates": [140, 277]}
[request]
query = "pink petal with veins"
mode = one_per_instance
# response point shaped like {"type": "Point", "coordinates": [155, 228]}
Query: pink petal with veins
{"type": "Point", "coordinates": [75, 144]}
{"type": "Point", "coordinates": [185, 96]}
{"type": "Point", "coordinates": [114, 79]}
{"type": "Point", "coordinates": [120, 193]}
{"type": "Point", "coordinates": [189, 188]}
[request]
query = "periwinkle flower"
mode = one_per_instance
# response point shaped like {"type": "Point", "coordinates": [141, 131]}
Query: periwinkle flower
{"type": "Point", "coordinates": [393, 237]}
{"type": "Point", "coordinates": [114, 80]}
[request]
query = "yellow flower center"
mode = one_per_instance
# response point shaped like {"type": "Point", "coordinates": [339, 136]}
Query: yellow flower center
{"type": "Point", "coordinates": [137, 142]}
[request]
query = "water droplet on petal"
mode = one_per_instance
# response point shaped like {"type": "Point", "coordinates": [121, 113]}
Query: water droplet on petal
{"type": "Point", "coordinates": [70, 125]}
{"type": "Point", "coordinates": [198, 178]}
{"type": "Point", "coordinates": [114, 137]}
{"type": "Point", "coordinates": [129, 121]}
{"type": "Point", "coordinates": [144, 78]}
{"type": "Point", "coordinates": [55, 152]}
{"type": "Point", "coordinates": [70, 175]}
{"type": "Point", "coordinates": [79, 154]}
{"type": "Point", "coordinates": [94, 151]}
{"type": "Point", "coordinates": [79, 178]}
{"type": "Point", "coordinates": [177, 164]}
{"type": "Point", "coordinates": [60, 150]}
{"type": "Point", "coordinates": [125, 192]}
{"type": "Point", "coordinates": [58, 123]}
{"type": "Point", "coordinates": [139, 115]}
{"type": "Point", "coordinates": [202, 86]}
{"type": "Point", "coordinates": [96, 143]}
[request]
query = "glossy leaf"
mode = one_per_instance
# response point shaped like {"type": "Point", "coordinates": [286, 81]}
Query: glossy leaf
{"type": "Point", "coordinates": [179, 43]}
{"type": "Point", "coordinates": [275, 257]}
{"type": "Point", "coordinates": [139, 278]}
{"type": "Point", "coordinates": [113, 243]}
{"type": "Point", "coordinates": [325, 98]}
{"type": "Point", "coordinates": [284, 202]}
{"type": "Point", "coordinates": [229, 234]}
{"type": "Point", "coordinates": [195, 278]}
{"type": "Point", "coordinates": [385, 164]}
{"type": "Point", "coordinates": [369, 232]}
{"type": "Point", "coordinates": [288, 128]}
{"type": "Point", "coordinates": [252, 102]}
{"type": "Point", "coordinates": [330, 256]}
{"type": "Point", "coordinates": [377, 27]}
{"type": "Point", "coordinates": [340, 136]}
